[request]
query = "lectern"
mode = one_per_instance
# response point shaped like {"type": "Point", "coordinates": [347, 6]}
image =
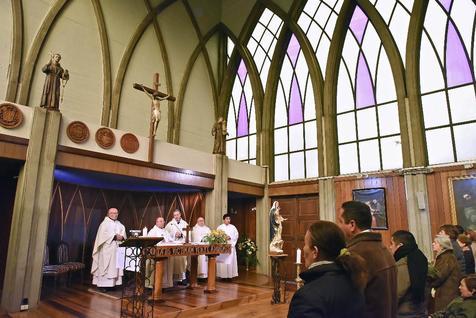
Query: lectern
{"type": "Point", "coordinates": [134, 302]}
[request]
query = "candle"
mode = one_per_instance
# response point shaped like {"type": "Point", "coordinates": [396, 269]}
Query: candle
{"type": "Point", "coordinates": [144, 231]}
{"type": "Point", "coordinates": [298, 256]}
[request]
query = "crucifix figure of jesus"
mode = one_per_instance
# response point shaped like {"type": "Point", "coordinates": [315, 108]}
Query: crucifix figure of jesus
{"type": "Point", "coordinates": [156, 97]}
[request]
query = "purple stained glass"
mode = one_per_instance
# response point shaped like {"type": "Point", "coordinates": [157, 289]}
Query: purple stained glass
{"type": "Point", "coordinates": [295, 103]}
{"type": "Point", "coordinates": [446, 4]}
{"type": "Point", "coordinates": [242, 117]}
{"type": "Point", "coordinates": [242, 72]}
{"type": "Point", "coordinates": [458, 71]}
{"type": "Point", "coordinates": [358, 23]}
{"type": "Point", "coordinates": [293, 50]}
{"type": "Point", "coordinates": [364, 92]}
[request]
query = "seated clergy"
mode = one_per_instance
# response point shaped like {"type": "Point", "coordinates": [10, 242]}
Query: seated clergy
{"type": "Point", "coordinates": [104, 269]}
{"type": "Point", "coordinates": [227, 264]}
{"type": "Point", "coordinates": [198, 232]}
{"type": "Point", "coordinates": [159, 231]}
{"type": "Point", "coordinates": [176, 230]}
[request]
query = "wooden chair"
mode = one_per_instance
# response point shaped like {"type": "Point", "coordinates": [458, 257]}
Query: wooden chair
{"type": "Point", "coordinates": [63, 260]}
{"type": "Point", "coordinates": [54, 271]}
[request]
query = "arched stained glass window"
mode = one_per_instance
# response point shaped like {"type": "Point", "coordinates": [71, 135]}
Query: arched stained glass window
{"type": "Point", "coordinates": [318, 20]}
{"type": "Point", "coordinates": [447, 81]}
{"type": "Point", "coordinates": [295, 134]}
{"type": "Point", "coordinates": [367, 112]}
{"type": "Point", "coordinates": [263, 41]}
{"type": "Point", "coordinates": [241, 121]}
{"type": "Point", "coordinates": [229, 49]}
{"type": "Point", "coordinates": [396, 13]}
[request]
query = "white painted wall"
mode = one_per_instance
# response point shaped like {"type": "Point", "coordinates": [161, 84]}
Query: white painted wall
{"type": "Point", "coordinates": [198, 112]}
{"type": "Point", "coordinates": [245, 172]}
{"type": "Point", "coordinates": [75, 36]}
{"type": "Point", "coordinates": [6, 36]}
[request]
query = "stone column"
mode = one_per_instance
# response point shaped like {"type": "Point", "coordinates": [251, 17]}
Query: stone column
{"type": "Point", "coordinates": [23, 272]}
{"type": "Point", "coordinates": [262, 232]}
{"type": "Point", "coordinates": [327, 200]}
{"type": "Point", "coordinates": [418, 214]}
{"type": "Point", "coordinates": [217, 199]}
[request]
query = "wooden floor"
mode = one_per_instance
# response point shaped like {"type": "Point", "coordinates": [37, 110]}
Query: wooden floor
{"type": "Point", "coordinates": [249, 295]}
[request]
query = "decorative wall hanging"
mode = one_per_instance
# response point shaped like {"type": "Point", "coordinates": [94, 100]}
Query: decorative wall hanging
{"type": "Point", "coordinates": [105, 138]}
{"type": "Point", "coordinates": [129, 143]}
{"type": "Point", "coordinates": [375, 199]}
{"type": "Point", "coordinates": [10, 116]}
{"type": "Point", "coordinates": [77, 132]}
{"type": "Point", "coordinates": [463, 201]}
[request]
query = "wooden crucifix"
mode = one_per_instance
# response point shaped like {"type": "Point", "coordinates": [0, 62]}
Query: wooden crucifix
{"type": "Point", "coordinates": [156, 96]}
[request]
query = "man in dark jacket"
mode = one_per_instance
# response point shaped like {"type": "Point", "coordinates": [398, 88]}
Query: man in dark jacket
{"type": "Point", "coordinates": [355, 220]}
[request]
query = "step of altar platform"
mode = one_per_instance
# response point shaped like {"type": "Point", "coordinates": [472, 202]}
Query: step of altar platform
{"type": "Point", "coordinates": [78, 301]}
{"type": "Point", "coordinates": [193, 303]}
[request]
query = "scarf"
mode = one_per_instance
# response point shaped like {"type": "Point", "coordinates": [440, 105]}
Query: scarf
{"type": "Point", "coordinates": [417, 269]}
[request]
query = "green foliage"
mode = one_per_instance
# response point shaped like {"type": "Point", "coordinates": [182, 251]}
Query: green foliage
{"type": "Point", "coordinates": [247, 249]}
{"type": "Point", "coordinates": [215, 237]}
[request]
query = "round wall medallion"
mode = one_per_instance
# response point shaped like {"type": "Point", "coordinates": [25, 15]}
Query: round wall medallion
{"type": "Point", "coordinates": [10, 116]}
{"type": "Point", "coordinates": [78, 132]}
{"type": "Point", "coordinates": [129, 143]}
{"type": "Point", "coordinates": [105, 138]}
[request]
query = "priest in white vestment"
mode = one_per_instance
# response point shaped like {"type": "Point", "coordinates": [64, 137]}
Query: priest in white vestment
{"type": "Point", "coordinates": [176, 230]}
{"type": "Point", "coordinates": [198, 232]}
{"type": "Point", "coordinates": [227, 264]}
{"type": "Point", "coordinates": [159, 231]}
{"type": "Point", "coordinates": [111, 232]}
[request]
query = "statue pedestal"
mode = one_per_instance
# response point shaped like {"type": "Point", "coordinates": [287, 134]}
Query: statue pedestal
{"type": "Point", "coordinates": [276, 260]}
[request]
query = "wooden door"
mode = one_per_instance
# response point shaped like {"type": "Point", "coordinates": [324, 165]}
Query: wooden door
{"type": "Point", "coordinates": [300, 211]}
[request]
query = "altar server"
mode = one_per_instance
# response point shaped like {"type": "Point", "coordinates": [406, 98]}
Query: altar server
{"type": "Point", "coordinates": [227, 264]}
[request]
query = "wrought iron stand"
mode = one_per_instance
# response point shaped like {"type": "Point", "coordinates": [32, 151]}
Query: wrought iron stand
{"type": "Point", "coordinates": [276, 260]}
{"type": "Point", "coordinates": [135, 300]}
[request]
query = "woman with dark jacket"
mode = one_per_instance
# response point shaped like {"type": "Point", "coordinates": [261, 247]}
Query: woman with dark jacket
{"type": "Point", "coordinates": [412, 269]}
{"type": "Point", "coordinates": [334, 279]}
{"type": "Point", "coordinates": [448, 274]}
{"type": "Point", "coordinates": [465, 243]}
{"type": "Point", "coordinates": [464, 306]}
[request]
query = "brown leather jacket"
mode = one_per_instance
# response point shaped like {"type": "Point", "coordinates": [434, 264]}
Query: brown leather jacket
{"type": "Point", "coordinates": [381, 291]}
{"type": "Point", "coordinates": [447, 279]}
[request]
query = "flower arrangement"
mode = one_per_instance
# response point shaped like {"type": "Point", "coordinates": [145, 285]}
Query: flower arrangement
{"type": "Point", "coordinates": [215, 237]}
{"type": "Point", "coordinates": [247, 251]}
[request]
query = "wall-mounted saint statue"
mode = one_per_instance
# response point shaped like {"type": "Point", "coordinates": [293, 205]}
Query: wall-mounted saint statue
{"type": "Point", "coordinates": [220, 133]}
{"type": "Point", "coordinates": [56, 78]}
{"type": "Point", "coordinates": [276, 229]}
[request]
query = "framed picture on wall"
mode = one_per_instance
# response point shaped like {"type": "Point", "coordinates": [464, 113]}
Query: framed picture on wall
{"type": "Point", "coordinates": [463, 201]}
{"type": "Point", "coordinates": [375, 199]}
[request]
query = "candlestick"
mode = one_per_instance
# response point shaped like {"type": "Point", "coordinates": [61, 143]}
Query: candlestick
{"type": "Point", "coordinates": [298, 256]}
{"type": "Point", "coordinates": [299, 281]}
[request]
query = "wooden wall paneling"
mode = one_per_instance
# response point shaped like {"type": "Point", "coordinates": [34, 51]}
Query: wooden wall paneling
{"type": "Point", "coordinates": [13, 147]}
{"type": "Point", "coordinates": [439, 203]}
{"type": "Point", "coordinates": [77, 211]}
{"type": "Point", "coordinates": [395, 199]}
{"type": "Point", "coordinates": [244, 219]}
{"type": "Point", "coordinates": [293, 188]}
{"type": "Point", "coordinates": [86, 160]}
